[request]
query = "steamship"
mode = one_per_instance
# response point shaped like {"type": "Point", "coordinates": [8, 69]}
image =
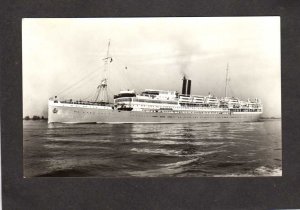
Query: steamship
{"type": "Point", "coordinates": [154, 106]}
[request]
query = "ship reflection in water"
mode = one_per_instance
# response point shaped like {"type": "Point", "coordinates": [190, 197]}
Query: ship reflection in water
{"type": "Point", "coordinates": [152, 150]}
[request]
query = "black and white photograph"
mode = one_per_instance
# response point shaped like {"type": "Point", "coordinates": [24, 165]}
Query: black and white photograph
{"type": "Point", "coordinates": [152, 97]}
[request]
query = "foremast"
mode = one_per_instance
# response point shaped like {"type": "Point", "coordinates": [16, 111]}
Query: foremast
{"type": "Point", "coordinates": [102, 93]}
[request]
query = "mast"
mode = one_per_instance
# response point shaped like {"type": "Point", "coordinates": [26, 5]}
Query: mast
{"type": "Point", "coordinates": [227, 80]}
{"type": "Point", "coordinates": [102, 88]}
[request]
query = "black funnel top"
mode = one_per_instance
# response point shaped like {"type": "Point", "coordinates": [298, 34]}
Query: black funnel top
{"type": "Point", "coordinates": [189, 85]}
{"type": "Point", "coordinates": [184, 86]}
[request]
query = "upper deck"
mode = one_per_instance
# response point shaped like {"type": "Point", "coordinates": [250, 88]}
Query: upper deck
{"type": "Point", "coordinates": [171, 100]}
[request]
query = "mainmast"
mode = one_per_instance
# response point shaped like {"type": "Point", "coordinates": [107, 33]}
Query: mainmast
{"type": "Point", "coordinates": [102, 88]}
{"type": "Point", "coordinates": [227, 80]}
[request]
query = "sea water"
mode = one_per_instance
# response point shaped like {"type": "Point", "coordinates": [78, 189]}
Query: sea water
{"type": "Point", "coordinates": [152, 150]}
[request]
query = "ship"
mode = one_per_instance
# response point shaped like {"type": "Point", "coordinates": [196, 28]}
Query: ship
{"type": "Point", "coordinates": [153, 106]}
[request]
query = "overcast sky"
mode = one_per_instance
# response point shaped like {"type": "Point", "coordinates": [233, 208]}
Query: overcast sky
{"type": "Point", "coordinates": [151, 53]}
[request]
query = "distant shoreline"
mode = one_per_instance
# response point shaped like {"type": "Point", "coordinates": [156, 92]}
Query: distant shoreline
{"type": "Point", "coordinates": [35, 117]}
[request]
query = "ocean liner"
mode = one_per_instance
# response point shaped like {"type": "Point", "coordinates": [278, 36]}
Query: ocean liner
{"type": "Point", "coordinates": [154, 106]}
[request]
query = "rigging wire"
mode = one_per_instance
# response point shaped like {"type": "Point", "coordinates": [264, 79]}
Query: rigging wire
{"type": "Point", "coordinates": [78, 82]}
{"type": "Point", "coordinates": [76, 87]}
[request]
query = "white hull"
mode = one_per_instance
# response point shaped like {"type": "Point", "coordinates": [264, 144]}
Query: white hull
{"type": "Point", "coordinates": [97, 114]}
